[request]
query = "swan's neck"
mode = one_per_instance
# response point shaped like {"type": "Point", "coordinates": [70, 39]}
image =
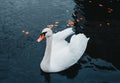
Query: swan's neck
{"type": "Point", "coordinates": [48, 50]}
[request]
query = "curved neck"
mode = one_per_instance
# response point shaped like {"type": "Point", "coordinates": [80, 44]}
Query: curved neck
{"type": "Point", "coordinates": [48, 50]}
{"type": "Point", "coordinates": [48, 46]}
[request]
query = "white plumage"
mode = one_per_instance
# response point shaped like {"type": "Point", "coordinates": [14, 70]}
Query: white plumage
{"type": "Point", "coordinates": [60, 54]}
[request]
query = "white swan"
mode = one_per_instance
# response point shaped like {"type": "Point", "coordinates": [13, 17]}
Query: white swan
{"type": "Point", "coordinates": [59, 54]}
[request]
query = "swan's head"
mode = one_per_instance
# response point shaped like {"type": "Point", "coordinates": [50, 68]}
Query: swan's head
{"type": "Point", "coordinates": [47, 32]}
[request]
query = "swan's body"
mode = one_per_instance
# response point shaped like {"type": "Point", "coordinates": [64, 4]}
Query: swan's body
{"type": "Point", "coordinates": [59, 54]}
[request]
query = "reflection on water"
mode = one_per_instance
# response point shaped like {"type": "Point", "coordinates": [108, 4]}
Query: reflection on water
{"type": "Point", "coordinates": [20, 54]}
{"type": "Point", "coordinates": [88, 70]}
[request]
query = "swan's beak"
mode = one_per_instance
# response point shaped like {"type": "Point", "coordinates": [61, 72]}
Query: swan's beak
{"type": "Point", "coordinates": [42, 36]}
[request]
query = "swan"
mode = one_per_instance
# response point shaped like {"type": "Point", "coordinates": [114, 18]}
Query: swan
{"type": "Point", "coordinates": [60, 54]}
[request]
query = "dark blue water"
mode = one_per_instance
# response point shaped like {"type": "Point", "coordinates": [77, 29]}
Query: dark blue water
{"type": "Point", "coordinates": [20, 54]}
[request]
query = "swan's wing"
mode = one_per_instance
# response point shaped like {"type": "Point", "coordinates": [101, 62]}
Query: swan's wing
{"type": "Point", "coordinates": [69, 53]}
{"type": "Point", "coordinates": [59, 39]}
{"type": "Point", "coordinates": [62, 35]}
{"type": "Point", "coordinates": [77, 45]}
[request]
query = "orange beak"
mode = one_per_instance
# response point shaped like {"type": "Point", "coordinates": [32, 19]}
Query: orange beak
{"type": "Point", "coordinates": [42, 36]}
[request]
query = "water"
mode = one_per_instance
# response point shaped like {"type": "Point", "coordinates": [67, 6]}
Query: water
{"type": "Point", "coordinates": [20, 54]}
{"type": "Point", "coordinates": [101, 24]}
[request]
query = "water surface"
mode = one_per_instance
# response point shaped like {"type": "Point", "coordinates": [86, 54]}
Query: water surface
{"type": "Point", "coordinates": [20, 54]}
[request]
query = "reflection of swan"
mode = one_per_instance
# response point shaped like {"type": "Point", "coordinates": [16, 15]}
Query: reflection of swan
{"type": "Point", "coordinates": [60, 54]}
